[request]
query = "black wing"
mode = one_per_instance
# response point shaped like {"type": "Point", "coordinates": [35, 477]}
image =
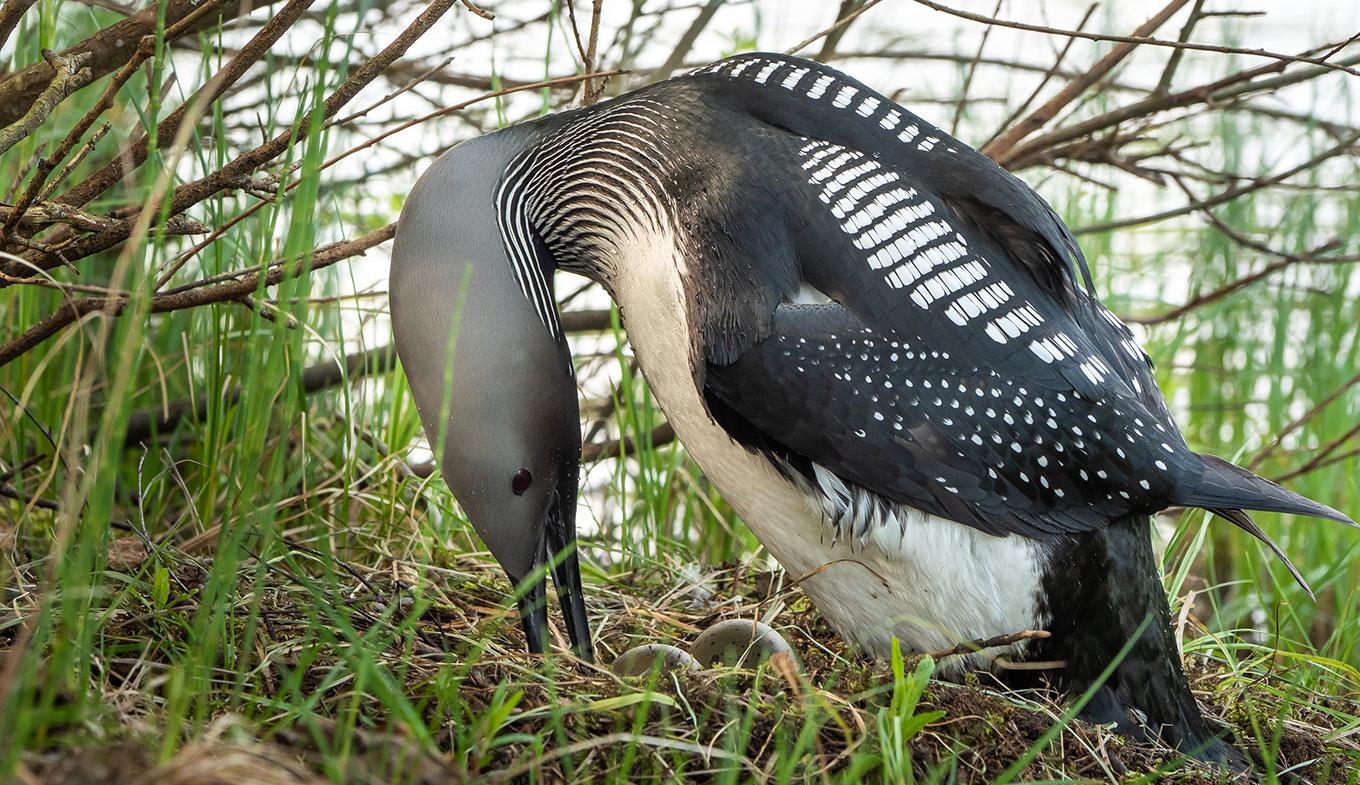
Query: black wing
{"type": "Point", "coordinates": [957, 291]}
{"type": "Point", "coordinates": [936, 432]}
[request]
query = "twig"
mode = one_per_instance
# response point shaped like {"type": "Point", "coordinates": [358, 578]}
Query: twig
{"type": "Point", "coordinates": [1226, 196]}
{"type": "Point", "coordinates": [1303, 419]}
{"type": "Point", "coordinates": [10, 13]}
{"type": "Point", "coordinates": [142, 424]}
{"type": "Point", "coordinates": [246, 285]}
{"type": "Point", "coordinates": [1213, 94]}
{"type": "Point", "coordinates": [686, 42]}
{"type": "Point", "coordinates": [972, 71]}
{"type": "Point", "coordinates": [1052, 70]}
{"type": "Point", "coordinates": [1174, 61]}
{"type": "Point", "coordinates": [1322, 454]}
{"type": "Point", "coordinates": [111, 47]}
{"type": "Point", "coordinates": [478, 10]}
{"type": "Point", "coordinates": [36, 185]}
{"type": "Point", "coordinates": [68, 76]}
{"type": "Point", "coordinates": [222, 179]}
{"type": "Point", "coordinates": [969, 647]}
{"type": "Point", "coordinates": [257, 48]}
{"type": "Point", "coordinates": [48, 213]}
{"type": "Point", "coordinates": [998, 148]}
{"type": "Point", "coordinates": [179, 262]}
{"type": "Point", "coordinates": [1128, 39]}
{"type": "Point", "coordinates": [833, 38]}
{"type": "Point", "coordinates": [840, 24]}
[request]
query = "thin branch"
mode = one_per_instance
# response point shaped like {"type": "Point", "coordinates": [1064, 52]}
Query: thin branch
{"type": "Point", "coordinates": [1226, 196]}
{"type": "Point", "coordinates": [833, 38]}
{"type": "Point", "coordinates": [143, 424]}
{"type": "Point", "coordinates": [840, 24]}
{"type": "Point", "coordinates": [1322, 456]}
{"type": "Point", "coordinates": [1048, 75]}
{"type": "Point", "coordinates": [998, 149]}
{"type": "Point", "coordinates": [133, 157]}
{"type": "Point", "coordinates": [10, 13]}
{"type": "Point", "coordinates": [226, 292]}
{"type": "Point", "coordinates": [68, 76]}
{"type": "Point", "coordinates": [1304, 419]}
{"type": "Point", "coordinates": [232, 173]}
{"type": "Point", "coordinates": [972, 71]}
{"type": "Point", "coordinates": [144, 49]}
{"type": "Point", "coordinates": [48, 213]}
{"type": "Point", "coordinates": [111, 47]}
{"type": "Point", "coordinates": [1133, 39]}
{"type": "Point", "coordinates": [981, 644]}
{"type": "Point", "coordinates": [1174, 61]}
{"type": "Point", "coordinates": [1213, 94]}
{"type": "Point", "coordinates": [686, 42]}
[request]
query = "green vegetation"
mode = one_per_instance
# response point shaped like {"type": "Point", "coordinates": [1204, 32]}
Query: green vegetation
{"type": "Point", "coordinates": [272, 586]}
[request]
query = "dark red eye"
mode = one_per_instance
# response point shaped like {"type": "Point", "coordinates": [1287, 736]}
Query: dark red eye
{"type": "Point", "coordinates": [521, 482]}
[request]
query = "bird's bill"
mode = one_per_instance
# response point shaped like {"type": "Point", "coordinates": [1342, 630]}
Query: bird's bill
{"type": "Point", "coordinates": [558, 558]}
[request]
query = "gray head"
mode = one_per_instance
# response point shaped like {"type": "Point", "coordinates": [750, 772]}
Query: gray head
{"type": "Point", "coordinates": [493, 383]}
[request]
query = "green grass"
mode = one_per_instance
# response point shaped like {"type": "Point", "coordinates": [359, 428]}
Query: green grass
{"type": "Point", "coordinates": [270, 589]}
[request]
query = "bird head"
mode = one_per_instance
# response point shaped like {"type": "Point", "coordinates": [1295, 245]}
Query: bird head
{"type": "Point", "coordinates": [475, 326]}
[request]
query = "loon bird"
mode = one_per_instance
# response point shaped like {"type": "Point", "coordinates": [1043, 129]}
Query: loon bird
{"type": "Point", "coordinates": [963, 444]}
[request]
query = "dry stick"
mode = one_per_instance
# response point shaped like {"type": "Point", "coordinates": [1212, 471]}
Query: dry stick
{"type": "Point", "coordinates": [1225, 196]}
{"type": "Point", "coordinates": [1323, 452]}
{"type": "Point", "coordinates": [1286, 260]}
{"type": "Point", "coordinates": [10, 13]}
{"type": "Point", "coordinates": [1222, 90]}
{"type": "Point", "coordinates": [1127, 39]}
{"type": "Point", "coordinates": [144, 49]}
{"type": "Point", "coordinates": [998, 148]}
{"type": "Point", "coordinates": [686, 42]}
{"type": "Point", "coordinates": [110, 48]}
{"type": "Point", "coordinates": [402, 90]}
{"type": "Point", "coordinates": [969, 647]}
{"type": "Point", "coordinates": [1303, 420]}
{"type": "Point", "coordinates": [972, 71]}
{"type": "Point", "coordinates": [1174, 61]}
{"type": "Point", "coordinates": [479, 11]}
{"type": "Point", "coordinates": [592, 91]}
{"type": "Point", "coordinates": [68, 76]}
{"type": "Point", "coordinates": [255, 49]}
{"type": "Point", "coordinates": [141, 425]}
{"type": "Point", "coordinates": [1332, 461]}
{"type": "Point", "coordinates": [840, 24]}
{"type": "Point", "coordinates": [47, 213]}
{"type": "Point", "coordinates": [228, 176]}
{"type": "Point", "coordinates": [233, 290]}
{"type": "Point", "coordinates": [218, 232]}
{"type": "Point", "coordinates": [328, 373]}
{"type": "Point", "coordinates": [1048, 75]}
{"type": "Point", "coordinates": [833, 39]}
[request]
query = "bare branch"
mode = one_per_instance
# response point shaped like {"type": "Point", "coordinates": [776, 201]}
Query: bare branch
{"type": "Point", "coordinates": [1126, 39]}
{"type": "Point", "coordinates": [998, 149]}
{"type": "Point", "coordinates": [840, 24]}
{"type": "Point", "coordinates": [10, 13]}
{"type": "Point", "coordinates": [212, 89]}
{"type": "Point", "coordinates": [68, 76]}
{"type": "Point", "coordinates": [111, 47]}
{"type": "Point", "coordinates": [176, 301]}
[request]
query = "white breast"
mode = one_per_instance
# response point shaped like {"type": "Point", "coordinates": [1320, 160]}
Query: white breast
{"type": "Point", "coordinates": [931, 582]}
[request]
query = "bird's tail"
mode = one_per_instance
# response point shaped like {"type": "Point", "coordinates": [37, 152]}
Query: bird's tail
{"type": "Point", "coordinates": [1117, 605]}
{"type": "Point", "coordinates": [1229, 491]}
